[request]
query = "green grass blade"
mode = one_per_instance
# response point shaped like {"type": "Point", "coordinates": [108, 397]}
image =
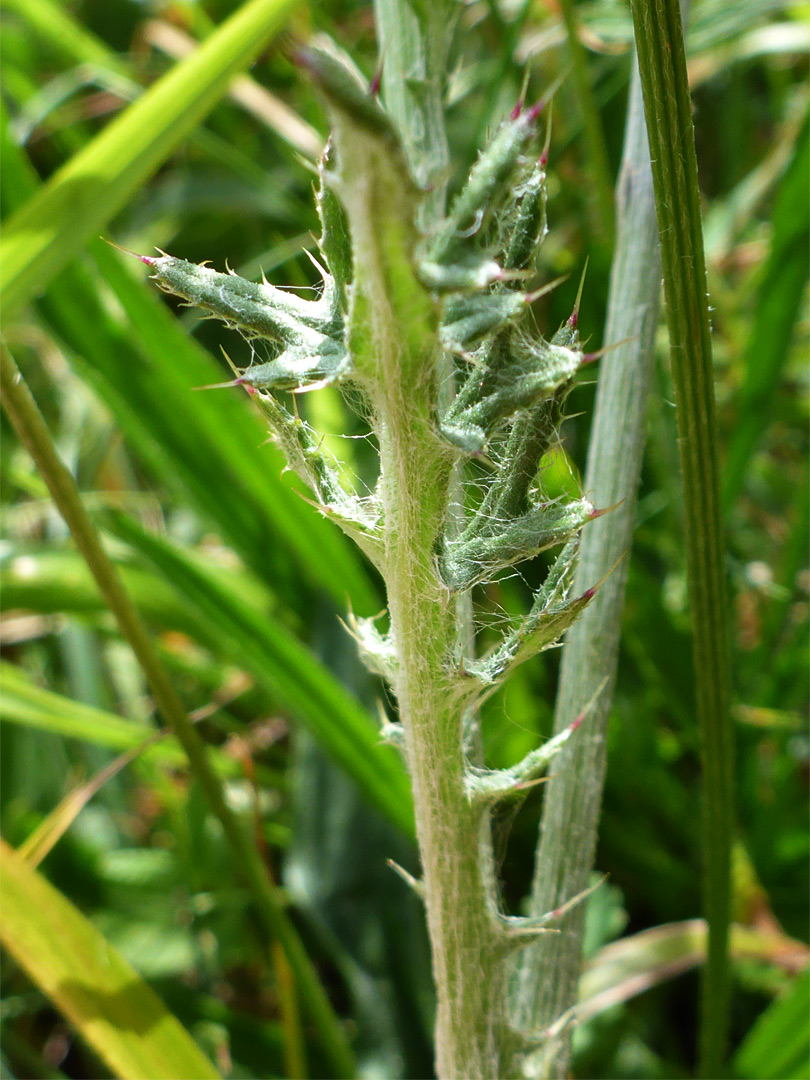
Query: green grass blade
{"type": "Point", "coordinates": [49, 581]}
{"type": "Point", "coordinates": [31, 706]}
{"type": "Point", "coordinates": [142, 367]}
{"type": "Point", "coordinates": [778, 306]}
{"type": "Point", "coordinates": [54, 26]}
{"type": "Point", "coordinates": [32, 431]}
{"type": "Point", "coordinates": [90, 983]}
{"type": "Point", "coordinates": [59, 32]}
{"type": "Point", "coordinates": [659, 41]}
{"type": "Point", "coordinates": [206, 606]}
{"type": "Point", "coordinates": [43, 236]}
{"type": "Point", "coordinates": [778, 1045]}
{"type": "Point", "coordinates": [290, 672]}
{"type": "Point", "coordinates": [17, 173]}
{"type": "Point", "coordinates": [594, 136]}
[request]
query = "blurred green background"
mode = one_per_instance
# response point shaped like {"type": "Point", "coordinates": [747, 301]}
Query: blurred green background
{"type": "Point", "coordinates": [243, 585]}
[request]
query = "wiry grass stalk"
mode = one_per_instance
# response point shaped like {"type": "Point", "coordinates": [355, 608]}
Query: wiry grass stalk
{"type": "Point", "coordinates": [27, 421]}
{"type": "Point", "coordinates": [659, 40]}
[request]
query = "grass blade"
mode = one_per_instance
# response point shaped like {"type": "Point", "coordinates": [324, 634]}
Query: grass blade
{"type": "Point", "coordinates": [56, 28]}
{"type": "Point", "coordinates": [778, 305]}
{"type": "Point", "coordinates": [42, 237]}
{"type": "Point", "coordinates": [31, 429]}
{"type": "Point", "coordinates": [31, 706]}
{"type": "Point", "coordinates": [141, 369]}
{"type": "Point", "coordinates": [659, 41]}
{"type": "Point", "coordinates": [290, 672]}
{"type": "Point", "coordinates": [594, 137]}
{"type": "Point", "coordinates": [112, 1008]}
{"type": "Point", "coordinates": [778, 1045]}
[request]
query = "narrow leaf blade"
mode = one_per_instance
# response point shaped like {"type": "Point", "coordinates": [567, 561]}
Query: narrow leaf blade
{"type": "Point", "coordinates": [112, 1008]}
{"type": "Point", "coordinates": [88, 190]}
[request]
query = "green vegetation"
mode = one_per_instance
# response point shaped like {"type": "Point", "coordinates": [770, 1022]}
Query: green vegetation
{"type": "Point", "coordinates": [219, 899]}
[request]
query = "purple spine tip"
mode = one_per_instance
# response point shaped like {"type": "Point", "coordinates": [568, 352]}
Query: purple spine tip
{"type": "Point", "coordinates": [588, 594]}
{"type": "Point", "coordinates": [575, 723]}
{"type": "Point", "coordinates": [374, 85]}
{"type": "Point", "coordinates": [518, 109]}
{"type": "Point", "coordinates": [535, 110]}
{"type": "Point", "coordinates": [147, 259]}
{"type": "Point", "coordinates": [573, 319]}
{"type": "Point", "coordinates": [543, 161]}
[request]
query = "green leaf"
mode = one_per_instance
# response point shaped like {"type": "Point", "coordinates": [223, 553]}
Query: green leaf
{"type": "Point", "coordinates": [54, 24]}
{"type": "Point", "coordinates": [88, 190]}
{"type": "Point", "coordinates": [668, 108]}
{"type": "Point", "coordinates": [245, 634]}
{"type": "Point", "coordinates": [31, 706]}
{"type": "Point", "coordinates": [777, 307]}
{"type": "Point", "coordinates": [778, 1045]}
{"type": "Point", "coordinates": [90, 983]}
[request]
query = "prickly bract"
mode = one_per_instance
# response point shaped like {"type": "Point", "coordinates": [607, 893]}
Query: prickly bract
{"type": "Point", "coordinates": [472, 267]}
{"type": "Point", "coordinates": [423, 318]}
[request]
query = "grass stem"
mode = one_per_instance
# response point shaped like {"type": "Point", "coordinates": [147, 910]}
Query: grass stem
{"type": "Point", "coordinates": [662, 62]}
{"type": "Point", "coordinates": [27, 421]}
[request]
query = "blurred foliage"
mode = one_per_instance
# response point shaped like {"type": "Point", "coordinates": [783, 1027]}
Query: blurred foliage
{"type": "Point", "coordinates": [113, 373]}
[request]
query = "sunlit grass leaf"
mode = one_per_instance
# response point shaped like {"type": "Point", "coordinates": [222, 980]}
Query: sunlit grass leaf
{"type": "Point", "coordinates": [247, 636]}
{"type": "Point", "coordinates": [88, 190]}
{"type": "Point", "coordinates": [778, 1045]}
{"type": "Point", "coordinates": [31, 706]}
{"type": "Point", "coordinates": [111, 1007]}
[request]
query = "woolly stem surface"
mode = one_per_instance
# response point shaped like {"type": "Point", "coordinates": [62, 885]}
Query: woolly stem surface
{"type": "Point", "coordinates": [416, 475]}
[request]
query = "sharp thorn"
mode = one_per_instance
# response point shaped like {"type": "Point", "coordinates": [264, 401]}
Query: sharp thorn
{"type": "Point", "coordinates": [409, 879]}
{"type": "Point", "coordinates": [223, 385]}
{"type": "Point", "coordinates": [531, 297]}
{"type": "Point", "coordinates": [594, 514]}
{"type": "Point", "coordinates": [148, 259]}
{"type": "Point", "coordinates": [574, 319]}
